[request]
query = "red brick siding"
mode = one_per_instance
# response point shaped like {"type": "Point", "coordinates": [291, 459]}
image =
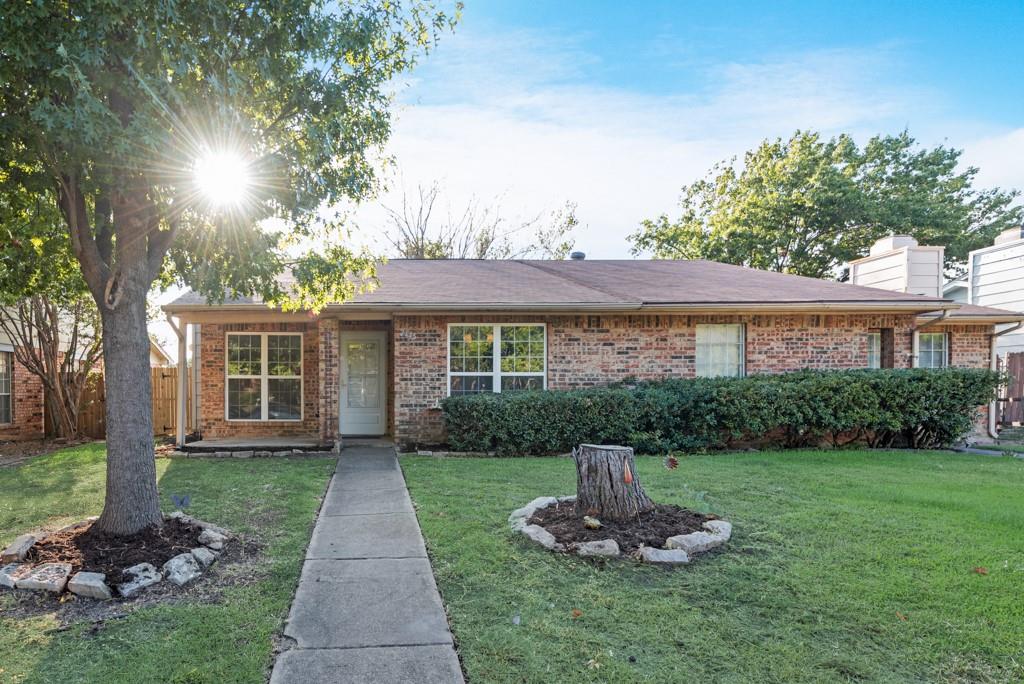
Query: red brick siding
{"type": "Point", "coordinates": [595, 350]}
{"type": "Point", "coordinates": [27, 399]}
{"type": "Point", "coordinates": [212, 357]}
{"type": "Point", "coordinates": [969, 345]}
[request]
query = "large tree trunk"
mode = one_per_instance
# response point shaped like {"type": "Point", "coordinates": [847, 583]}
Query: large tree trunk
{"type": "Point", "coordinates": [607, 485]}
{"type": "Point", "coordinates": [132, 501]}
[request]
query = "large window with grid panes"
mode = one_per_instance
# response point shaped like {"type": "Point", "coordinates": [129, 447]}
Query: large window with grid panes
{"type": "Point", "coordinates": [496, 358]}
{"type": "Point", "coordinates": [264, 376]}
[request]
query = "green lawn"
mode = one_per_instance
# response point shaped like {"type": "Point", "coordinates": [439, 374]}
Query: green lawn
{"type": "Point", "coordinates": [272, 501]}
{"type": "Point", "coordinates": [843, 566]}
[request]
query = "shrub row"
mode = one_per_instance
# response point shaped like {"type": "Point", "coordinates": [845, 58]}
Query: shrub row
{"type": "Point", "coordinates": [916, 408]}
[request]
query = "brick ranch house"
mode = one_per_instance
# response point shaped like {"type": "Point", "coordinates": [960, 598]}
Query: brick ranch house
{"type": "Point", "coordinates": [380, 364]}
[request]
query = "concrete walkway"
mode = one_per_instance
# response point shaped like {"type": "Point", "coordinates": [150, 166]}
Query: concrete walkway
{"type": "Point", "coordinates": [367, 608]}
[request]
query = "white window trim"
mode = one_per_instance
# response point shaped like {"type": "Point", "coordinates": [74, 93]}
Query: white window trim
{"type": "Point", "coordinates": [945, 349]}
{"type": "Point", "coordinates": [496, 373]}
{"type": "Point", "coordinates": [872, 336]}
{"type": "Point", "coordinates": [10, 367]}
{"type": "Point", "coordinates": [264, 378]}
{"type": "Point", "coordinates": [742, 345]}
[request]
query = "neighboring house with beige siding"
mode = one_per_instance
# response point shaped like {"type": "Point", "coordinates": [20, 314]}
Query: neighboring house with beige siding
{"type": "Point", "coordinates": [995, 277]}
{"type": "Point", "coordinates": [381, 363]}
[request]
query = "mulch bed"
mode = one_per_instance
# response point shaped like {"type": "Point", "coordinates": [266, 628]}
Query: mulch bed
{"type": "Point", "coordinates": [647, 529]}
{"type": "Point", "coordinates": [88, 549]}
{"type": "Point", "coordinates": [17, 453]}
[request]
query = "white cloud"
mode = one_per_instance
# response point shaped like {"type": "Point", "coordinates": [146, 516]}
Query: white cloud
{"type": "Point", "coordinates": [513, 116]}
{"type": "Point", "coordinates": [999, 158]}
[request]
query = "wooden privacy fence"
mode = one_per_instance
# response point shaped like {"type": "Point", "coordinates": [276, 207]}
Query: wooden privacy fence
{"type": "Point", "coordinates": [1011, 399]}
{"type": "Point", "coordinates": [92, 416]}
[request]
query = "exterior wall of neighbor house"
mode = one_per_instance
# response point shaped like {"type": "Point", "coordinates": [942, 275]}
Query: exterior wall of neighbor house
{"type": "Point", "coordinates": [213, 417]}
{"type": "Point", "coordinates": [27, 409]}
{"type": "Point", "coordinates": [591, 350]}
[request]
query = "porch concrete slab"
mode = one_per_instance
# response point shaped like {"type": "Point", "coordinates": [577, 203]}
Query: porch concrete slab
{"type": "Point", "coordinates": [387, 535]}
{"type": "Point", "coordinates": [357, 603]}
{"type": "Point", "coordinates": [264, 443]}
{"type": "Point", "coordinates": [356, 502]}
{"type": "Point", "coordinates": [391, 664]}
{"type": "Point", "coordinates": [365, 480]}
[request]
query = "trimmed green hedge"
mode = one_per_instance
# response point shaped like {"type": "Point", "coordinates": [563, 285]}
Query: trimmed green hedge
{"type": "Point", "coordinates": [916, 408]}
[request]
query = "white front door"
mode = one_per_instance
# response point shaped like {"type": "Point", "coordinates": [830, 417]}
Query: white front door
{"type": "Point", "coordinates": [363, 396]}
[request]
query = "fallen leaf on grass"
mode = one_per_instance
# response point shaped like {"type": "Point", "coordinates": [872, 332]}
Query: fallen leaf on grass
{"type": "Point", "coordinates": [901, 616]}
{"type": "Point", "coordinates": [981, 571]}
{"type": "Point", "coordinates": [576, 613]}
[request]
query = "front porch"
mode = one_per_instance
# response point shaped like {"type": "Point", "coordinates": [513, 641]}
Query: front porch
{"type": "Point", "coordinates": [278, 446]}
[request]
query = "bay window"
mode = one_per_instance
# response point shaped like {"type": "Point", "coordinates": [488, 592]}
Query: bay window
{"type": "Point", "coordinates": [496, 358]}
{"type": "Point", "coordinates": [6, 384]}
{"type": "Point", "coordinates": [264, 376]}
{"type": "Point", "coordinates": [720, 350]}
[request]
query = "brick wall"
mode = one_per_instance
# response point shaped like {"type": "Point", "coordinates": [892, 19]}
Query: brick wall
{"type": "Point", "coordinates": [27, 397]}
{"type": "Point", "coordinates": [969, 345]}
{"type": "Point", "coordinates": [212, 419]}
{"type": "Point", "coordinates": [595, 350]}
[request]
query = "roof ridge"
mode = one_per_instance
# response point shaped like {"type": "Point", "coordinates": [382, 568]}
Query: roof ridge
{"type": "Point", "coordinates": [576, 281]}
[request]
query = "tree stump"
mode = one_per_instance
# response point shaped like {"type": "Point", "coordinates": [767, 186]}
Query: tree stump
{"type": "Point", "coordinates": [607, 485]}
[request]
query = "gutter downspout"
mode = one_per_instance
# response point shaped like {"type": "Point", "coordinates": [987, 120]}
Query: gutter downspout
{"type": "Point", "coordinates": [915, 341]}
{"type": "Point", "coordinates": [182, 408]}
{"type": "Point", "coordinates": [993, 365]}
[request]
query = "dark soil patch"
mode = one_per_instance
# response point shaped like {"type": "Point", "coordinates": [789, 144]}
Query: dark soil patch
{"type": "Point", "coordinates": [89, 549]}
{"type": "Point", "coordinates": [647, 529]}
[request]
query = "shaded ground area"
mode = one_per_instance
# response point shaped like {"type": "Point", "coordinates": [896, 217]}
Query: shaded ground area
{"type": "Point", "coordinates": [846, 566]}
{"type": "Point", "coordinates": [647, 529]}
{"type": "Point", "coordinates": [220, 628]}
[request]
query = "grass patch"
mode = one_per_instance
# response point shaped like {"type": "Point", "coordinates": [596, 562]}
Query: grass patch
{"type": "Point", "coordinates": [843, 566]}
{"type": "Point", "coordinates": [270, 500]}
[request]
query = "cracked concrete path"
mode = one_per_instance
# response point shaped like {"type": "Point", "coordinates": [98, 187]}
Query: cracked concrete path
{"type": "Point", "coordinates": [367, 608]}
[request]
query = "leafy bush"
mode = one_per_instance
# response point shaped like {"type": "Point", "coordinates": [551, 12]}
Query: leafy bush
{"type": "Point", "coordinates": [916, 408]}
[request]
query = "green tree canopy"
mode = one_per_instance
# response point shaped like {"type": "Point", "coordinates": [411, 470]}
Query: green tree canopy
{"type": "Point", "coordinates": [107, 108]}
{"type": "Point", "coordinates": [808, 205]}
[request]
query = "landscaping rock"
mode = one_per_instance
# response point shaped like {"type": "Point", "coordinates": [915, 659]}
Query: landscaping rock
{"type": "Point", "coordinates": [694, 542]}
{"type": "Point", "coordinates": [12, 572]}
{"type": "Point", "coordinates": [17, 549]}
{"type": "Point", "coordinates": [201, 524]}
{"type": "Point", "coordinates": [542, 537]}
{"type": "Point", "coordinates": [721, 528]}
{"type": "Point", "coordinates": [517, 521]}
{"type": "Point", "coordinates": [591, 523]}
{"type": "Point", "coordinates": [605, 547]}
{"type": "Point", "coordinates": [215, 540]}
{"type": "Point", "coordinates": [204, 556]}
{"type": "Point", "coordinates": [263, 454]}
{"type": "Point", "coordinates": [221, 454]}
{"type": "Point", "coordinates": [662, 557]}
{"type": "Point", "coordinates": [567, 499]}
{"type": "Point", "coordinates": [142, 575]}
{"type": "Point", "coordinates": [182, 569]}
{"type": "Point", "coordinates": [242, 454]}
{"type": "Point", "coordinates": [90, 584]}
{"type": "Point", "coordinates": [46, 577]}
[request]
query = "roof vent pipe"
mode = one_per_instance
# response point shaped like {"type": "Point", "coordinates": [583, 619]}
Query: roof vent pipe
{"type": "Point", "coordinates": [578, 256]}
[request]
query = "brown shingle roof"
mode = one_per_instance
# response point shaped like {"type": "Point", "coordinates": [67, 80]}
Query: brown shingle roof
{"type": "Point", "coordinates": [595, 284]}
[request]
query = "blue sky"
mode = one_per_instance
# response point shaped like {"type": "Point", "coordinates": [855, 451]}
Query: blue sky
{"type": "Point", "coordinates": [616, 105]}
